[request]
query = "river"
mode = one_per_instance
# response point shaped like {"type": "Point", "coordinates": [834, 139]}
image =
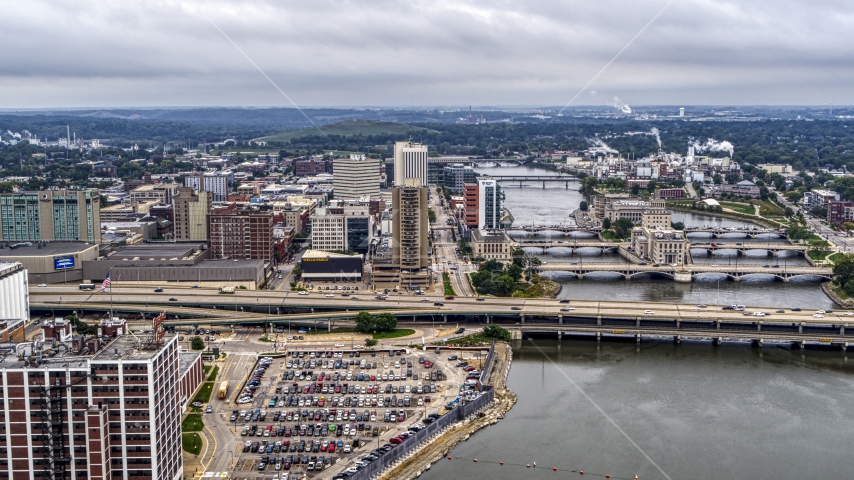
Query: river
{"type": "Point", "coordinates": [697, 411]}
{"type": "Point", "coordinates": [533, 204]}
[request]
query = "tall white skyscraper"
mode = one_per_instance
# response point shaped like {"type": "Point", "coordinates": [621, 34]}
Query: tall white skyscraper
{"type": "Point", "coordinates": [410, 162]}
{"type": "Point", "coordinates": [489, 204]}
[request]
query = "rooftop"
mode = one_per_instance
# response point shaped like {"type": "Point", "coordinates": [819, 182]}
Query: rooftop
{"type": "Point", "coordinates": [323, 254]}
{"type": "Point", "coordinates": [155, 250]}
{"type": "Point", "coordinates": [186, 360]}
{"type": "Point", "coordinates": [49, 248]}
{"type": "Point", "coordinates": [130, 347]}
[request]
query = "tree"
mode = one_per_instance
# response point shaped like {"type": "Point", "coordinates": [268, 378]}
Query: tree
{"type": "Point", "coordinates": [385, 322]}
{"type": "Point", "coordinates": [848, 226]}
{"type": "Point", "coordinates": [197, 343]}
{"type": "Point", "coordinates": [606, 224]}
{"type": "Point", "coordinates": [583, 206]}
{"type": "Point", "coordinates": [364, 322]}
{"type": "Point", "coordinates": [431, 215]}
{"type": "Point", "coordinates": [296, 271]}
{"type": "Point", "coordinates": [622, 227]}
{"type": "Point", "coordinates": [635, 189]}
{"type": "Point", "coordinates": [843, 270]}
{"type": "Point", "coordinates": [798, 232]}
{"type": "Point", "coordinates": [678, 226]}
{"type": "Point", "coordinates": [515, 272]}
{"type": "Point", "coordinates": [496, 332]}
{"type": "Point", "coordinates": [370, 342]}
{"type": "Point", "coordinates": [717, 179]}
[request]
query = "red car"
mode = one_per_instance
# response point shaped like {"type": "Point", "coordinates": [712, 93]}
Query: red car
{"type": "Point", "coordinates": [449, 297]}
{"type": "Point", "coordinates": [331, 448]}
{"type": "Point", "coordinates": [468, 369]}
{"type": "Point", "coordinates": [427, 364]}
{"type": "Point", "coordinates": [396, 441]}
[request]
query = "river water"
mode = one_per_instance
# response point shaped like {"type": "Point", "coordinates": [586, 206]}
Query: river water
{"type": "Point", "coordinates": [698, 412]}
{"type": "Point", "coordinates": [534, 205]}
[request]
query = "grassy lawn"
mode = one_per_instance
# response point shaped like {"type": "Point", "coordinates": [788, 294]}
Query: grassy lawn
{"type": "Point", "coordinates": [739, 207]}
{"type": "Point", "coordinates": [836, 257]}
{"type": "Point", "coordinates": [446, 281]}
{"type": "Point", "coordinates": [212, 376]}
{"type": "Point", "coordinates": [396, 333]}
{"type": "Point", "coordinates": [193, 423]}
{"type": "Point", "coordinates": [610, 236]}
{"type": "Point", "coordinates": [350, 128]}
{"type": "Point", "coordinates": [204, 395]}
{"type": "Point", "coordinates": [192, 443]}
{"type": "Point", "coordinates": [207, 369]}
{"type": "Point", "coordinates": [818, 254]}
{"type": "Point", "coordinates": [768, 208]}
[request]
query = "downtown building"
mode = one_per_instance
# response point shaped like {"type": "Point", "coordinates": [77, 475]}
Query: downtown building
{"type": "Point", "coordinates": [410, 161]}
{"type": "Point", "coordinates": [55, 215]}
{"type": "Point", "coordinates": [114, 414]}
{"type": "Point", "coordinates": [483, 204]}
{"type": "Point", "coordinates": [190, 211]}
{"type": "Point", "coordinates": [217, 183]}
{"type": "Point", "coordinates": [347, 228]}
{"type": "Point", "coordinates": [242, 232]}
{"type": "Point", "coordinates": [356, 177]}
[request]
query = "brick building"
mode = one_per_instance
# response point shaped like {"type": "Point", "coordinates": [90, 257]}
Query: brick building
{"type": "Point", "coordinates": [310, 166]}
{"type": "Point", "coordinates": [111, 415]}
{"type": "Point", "coordinates": [240, 231]}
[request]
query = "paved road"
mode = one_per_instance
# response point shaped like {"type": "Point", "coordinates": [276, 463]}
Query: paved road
{"type": "Point", "coordinates": [445, 257]}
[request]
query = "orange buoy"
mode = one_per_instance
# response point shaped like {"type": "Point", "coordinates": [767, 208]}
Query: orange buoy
{"type": "Point", "coordinates": [528, 465]}
{"type": "Point", "coordinates": [449, 457]}
{"type": "Point", "coordinates": [554, 469]}
{"type": "Point", "coordinates": [475, 460]}
{"type": "Point", "coordinates": [502, 463]}
{"type": "Point", "coordinates": [607, 475]}
{"type": "Point", "coordinates": [581, 472]}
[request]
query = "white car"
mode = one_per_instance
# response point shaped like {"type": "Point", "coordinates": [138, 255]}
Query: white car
{"type": "Point", "coordinates": [339, 345]}
{"type": "Point", "coordinates": [330, 295]}
{"type": "Point", "coordinates": [758, 314]}
{"type": "Point", "coordinates": [649, 312]}
{"type": "Point", "coordinates": [303, 292]}
{"type": "Point", "coordinates": [714, 264]}
{"type": "Point", "coordinates": [42, 285]}
{"type": "Point", "coordinates": [818, 315]}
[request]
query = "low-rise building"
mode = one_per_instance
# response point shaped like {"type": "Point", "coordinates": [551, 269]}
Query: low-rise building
{"type": "Point", "coordinates": [744, 188]}
{"type": "Point", "coordinates": [819, 198]}
{"type": "Point", "coordinates": [840, 211]}
{"type": "Point", "coordinates": [322, 266]}
{"type": "Point", "coordinates": [159, 193]}
{"type": "Point", "coordinates": [491, 245]}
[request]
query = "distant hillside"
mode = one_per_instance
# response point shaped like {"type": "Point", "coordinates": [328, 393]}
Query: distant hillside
{"type": "Point", "coordinates": [350, 128]}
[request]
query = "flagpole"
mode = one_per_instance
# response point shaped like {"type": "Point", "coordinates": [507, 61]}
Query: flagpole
{"type": "Point", "coordinates": [109, 275]}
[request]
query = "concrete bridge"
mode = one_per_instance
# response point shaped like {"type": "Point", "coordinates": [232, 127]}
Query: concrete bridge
{"type": "Point", "coordinates": [522, 180]}
{"type": "Point", "coordinates": [747, 232]}
{"type": "Point", "coordinates": [742, 249]}
{"type": "Point", "coordinates": [685, 273]}
{"type": "Point", "coordinates": [557, 228]}
{"type": "Point", "coordinates": [604, 246]}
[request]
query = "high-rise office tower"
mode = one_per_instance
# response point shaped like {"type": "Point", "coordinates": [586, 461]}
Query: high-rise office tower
{"type": "Point", "coordinates": [356, 178]}
{"type": "Point", "coordinates": [410, 162]}
{"type": "Point", "coordinates": [489, 204]}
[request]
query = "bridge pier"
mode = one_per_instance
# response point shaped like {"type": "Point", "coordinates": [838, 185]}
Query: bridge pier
{"type": "Point", "coordinates": [802, 344]}
{"type": "Point", "coordinates": [522, 318]}
{"type": "Point", "coordinates": [598, 320]}
{"type": "Point", "coordinates": [637, 322]}
{"type": "Point", "coordinates": [717, 341]}
{"type": "Point", "coordinates": [682, 277]}
{"type": "Point", "coordinates": [759, 326]}
{"type": "Point", "coordinates": [515, 334]}
{"type": "Point", "coordinates": [842, 329]}
{"type": "Point", "coordinates": [560, 319]}
{"type": "Point", "coordinates": [677, 339]}
{"type": "Point", "coordinates": [677, 323]}
{"type": "Point", "coordinates": [757, 342]}
{"type": "Point", "coordinates": [718, 324]}
{"type": "Point", "coordinates": [598, 337]}
{"type": "Point", "coordinates": [844, 346]}
{"type": "Point", "coordinates": [445, 318]}
{"type": "Point", "coordinates": [559, 335]}
{"type": "Point", "coordinates": [637, 338]}
{"type": "Point", "coordinates": [801, 327]}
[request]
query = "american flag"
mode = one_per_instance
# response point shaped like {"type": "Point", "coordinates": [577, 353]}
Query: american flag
{"type": "Point", "coordinates": [106, 282]}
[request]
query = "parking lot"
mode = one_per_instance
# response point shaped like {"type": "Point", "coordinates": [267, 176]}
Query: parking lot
{"type": "Point", "coordinates": [323, 413]}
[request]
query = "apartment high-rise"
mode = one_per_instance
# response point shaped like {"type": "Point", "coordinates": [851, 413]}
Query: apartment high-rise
{"type": "Point", "coordinates": [112, 415]}
{"type": "Point", "coordinates": [410, 226]}
{"type": "Point", "coordinates": [410, 162]}
{"type": "Point", "coordinates": [456, 176]}
{"type": "Point", "coordinates": [356, 178]}
{"type": "Point", "coordinates": [191, 210]}
{"type": "Point", "coordinates": [58, 215]}
{"type": "Point", "coordinates": [217, 183]}
{"type": "Point", "coordinates": [342, 228]}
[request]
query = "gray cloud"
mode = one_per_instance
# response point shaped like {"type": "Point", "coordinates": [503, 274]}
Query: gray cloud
{"type": "Point", "coordinates": [384, 52]}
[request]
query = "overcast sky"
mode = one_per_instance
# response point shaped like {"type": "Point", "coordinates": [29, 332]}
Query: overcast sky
{"type": "Point", "coordinates": [57, 53]}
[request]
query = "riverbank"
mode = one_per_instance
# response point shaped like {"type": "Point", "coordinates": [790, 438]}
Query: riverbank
{"type": "Point", "coordinates": [827, 288]}
{"type": "Point", "coordinates": [438, 449]}
{"type": "Point", "coordinates": [730, 215]}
